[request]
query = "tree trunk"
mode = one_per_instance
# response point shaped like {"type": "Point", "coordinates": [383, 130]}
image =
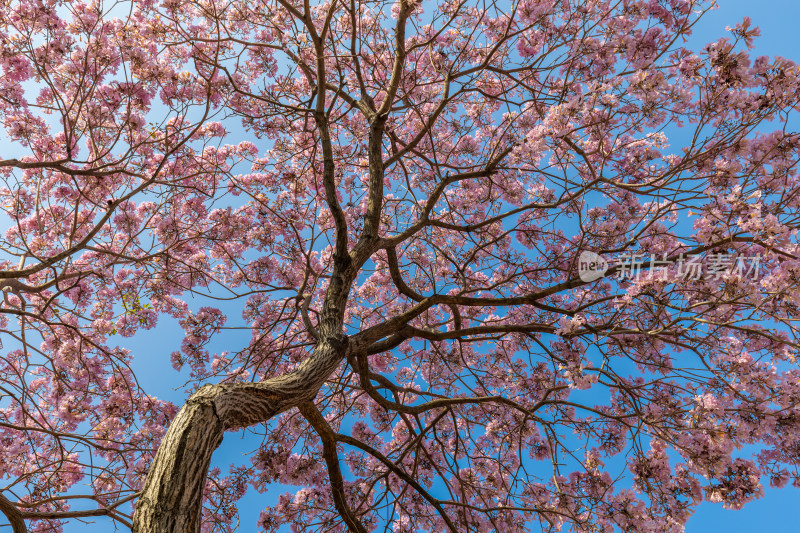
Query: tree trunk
{"type": "Point", "coordinates": [173, 492]}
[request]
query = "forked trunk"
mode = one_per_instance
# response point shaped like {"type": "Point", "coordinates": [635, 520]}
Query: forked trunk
{"type": "Point", "coordinates": [173, 492]}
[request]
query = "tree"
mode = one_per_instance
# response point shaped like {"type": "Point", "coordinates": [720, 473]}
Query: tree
{"type": "Point", "coordinates": [503, 263]}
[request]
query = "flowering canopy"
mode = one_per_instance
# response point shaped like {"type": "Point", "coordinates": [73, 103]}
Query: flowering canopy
{"type": "Point", "coordinates": [404, 232]}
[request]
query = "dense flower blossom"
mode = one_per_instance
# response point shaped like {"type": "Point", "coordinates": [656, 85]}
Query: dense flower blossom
{"type": "Point", "coordinates": [391, 200]}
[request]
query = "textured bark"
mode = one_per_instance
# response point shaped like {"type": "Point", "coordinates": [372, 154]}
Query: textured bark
{"type": "Point", "coordinates": [172, 496]}
{"type": "Point", "coordinates": [173, 492]}
{"type": "Point", "coordinates": [13, 515]}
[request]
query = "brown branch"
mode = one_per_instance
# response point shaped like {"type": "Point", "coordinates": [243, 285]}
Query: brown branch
{"type": "Point", "coordinates": [13, 514]}
{"type": "Point", "coordinates": [323, 429]}
{"type": "Point", "coordinates": [399, 472]}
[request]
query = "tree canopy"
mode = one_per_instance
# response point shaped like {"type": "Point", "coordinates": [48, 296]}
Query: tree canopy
{"type": "Point", "coordinates": [504, 265]}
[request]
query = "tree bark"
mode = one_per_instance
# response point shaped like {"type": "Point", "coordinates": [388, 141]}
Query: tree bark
{"type": "Point", "coordinates": [173, 492]}
{"type": "Point", "coordinates": [13, 515]}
